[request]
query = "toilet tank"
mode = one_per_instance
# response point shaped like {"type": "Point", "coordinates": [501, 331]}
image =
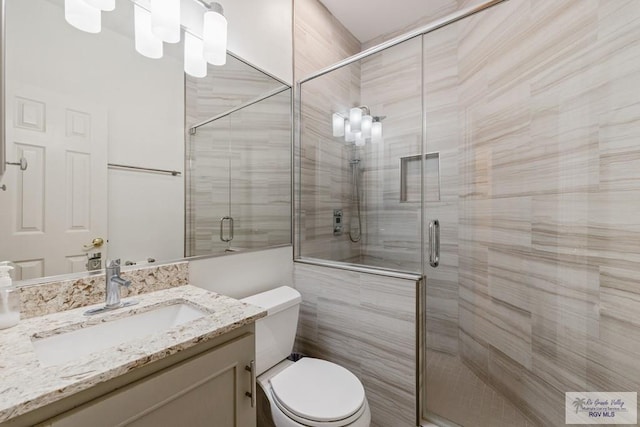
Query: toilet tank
{"type": "Point", "coordinates": [276, 332]}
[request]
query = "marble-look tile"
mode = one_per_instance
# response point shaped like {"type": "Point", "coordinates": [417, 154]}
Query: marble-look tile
{"type": "Point", "coordinates": [452, 386]}
{"type": "Point", "coordinates": [526, 391]}
{"type": "Point", "coordinates": [52, 297]}
{"type": "Point", "coordinates": [367, 324]}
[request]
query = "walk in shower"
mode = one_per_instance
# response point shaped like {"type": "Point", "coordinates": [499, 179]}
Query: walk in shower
{"type": "Point", "coordinates": [507, 173]}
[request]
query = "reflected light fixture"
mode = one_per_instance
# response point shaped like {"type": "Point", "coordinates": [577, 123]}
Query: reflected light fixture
{"type": "Point", "coordinates": [369, 127]}
{"type": "Point", "coordinates": [160, 21]}
{"type": "Point", "coordinates": [81, 15]}
{"type": "Point", "coordinates": [365, 125]}
{"type": "Point", "coordinates": [338, 125]}
{"type": "Point", "coordinates": [376, 131]}
{"type": "Point", "coordinates": [355, 117]}
{"type": "Point", "coordinates": [348, 135]}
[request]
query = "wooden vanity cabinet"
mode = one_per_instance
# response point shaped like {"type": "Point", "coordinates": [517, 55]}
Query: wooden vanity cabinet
{"type": "Point", "coordinates": [208, 389]}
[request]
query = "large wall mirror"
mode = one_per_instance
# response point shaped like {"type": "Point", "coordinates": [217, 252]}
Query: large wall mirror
{"type": "Point", "coordinates": [127, 157]}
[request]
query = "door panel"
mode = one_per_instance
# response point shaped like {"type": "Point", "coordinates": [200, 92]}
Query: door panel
{"type": "Point", "coordinates": [58, 205]}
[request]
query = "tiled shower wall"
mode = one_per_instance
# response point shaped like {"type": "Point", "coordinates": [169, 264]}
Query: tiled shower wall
{"type": "Point", "coordinates": [540, 96]}
{"type": "Point", "coordinates": [365, 323]}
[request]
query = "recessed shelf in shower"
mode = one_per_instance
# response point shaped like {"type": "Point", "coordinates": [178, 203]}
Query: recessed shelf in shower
{"type": "Point", "coordinates": [410, 189]}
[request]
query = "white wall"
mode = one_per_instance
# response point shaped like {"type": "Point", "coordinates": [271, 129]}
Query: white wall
{"type": "Point", "coordinates": [261, 32]}
{"type": "Point", "coordinates": [145, 103]}
{"type": "Point", "coordinates": [243, 274]}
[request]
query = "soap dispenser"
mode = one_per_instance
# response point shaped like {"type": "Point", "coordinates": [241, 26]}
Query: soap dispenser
{"type": "Point", "coordinates": [9, 299]}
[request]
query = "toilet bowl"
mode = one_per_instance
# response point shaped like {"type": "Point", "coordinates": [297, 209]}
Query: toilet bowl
{"type": "Point", "coordinates": [307, 393]}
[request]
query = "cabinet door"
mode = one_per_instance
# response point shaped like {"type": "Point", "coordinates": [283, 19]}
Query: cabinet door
{"type": "Point", "coordinates": [207, 390]}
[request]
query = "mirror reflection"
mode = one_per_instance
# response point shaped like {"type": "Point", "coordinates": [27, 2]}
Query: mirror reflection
{"type": "Point", "coordinates": [128, 157]}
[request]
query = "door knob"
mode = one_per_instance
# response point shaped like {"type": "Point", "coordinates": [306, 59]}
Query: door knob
{"type": "Point", "coordinates": [95, 243]}
{"type": "Point", "coordinates": [22, 163]}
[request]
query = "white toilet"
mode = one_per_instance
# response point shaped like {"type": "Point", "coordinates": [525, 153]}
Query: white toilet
{"type": "Point", "coordinates": [307, 393]}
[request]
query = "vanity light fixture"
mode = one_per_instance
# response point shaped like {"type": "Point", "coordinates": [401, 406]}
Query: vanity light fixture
{"type": "Point", "coordinates": [160, 21]}
{"type": "Point", "coordinates": [105, 5]}
{"type": "Point", "coordinates": [194, 63]}
{"type": "Point", "coordinates": [165, 20]}
{"type": "Point", "coordinates": [368, 127]}
{"type": "Point", "coordinates": [81, 15]}
{"type": "Point", "coordinates": [214, 34]}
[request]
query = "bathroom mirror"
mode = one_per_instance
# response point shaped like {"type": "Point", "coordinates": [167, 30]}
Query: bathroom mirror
{"type": "Point", "coordinates": [128, 157]}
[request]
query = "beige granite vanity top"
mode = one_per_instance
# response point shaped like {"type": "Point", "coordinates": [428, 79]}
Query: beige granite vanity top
{"type": "Point", "coordinates": [26, 385]}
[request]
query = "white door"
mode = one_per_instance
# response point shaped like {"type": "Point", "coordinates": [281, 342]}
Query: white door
{"type": "Point", "coordinates": [52, 210]}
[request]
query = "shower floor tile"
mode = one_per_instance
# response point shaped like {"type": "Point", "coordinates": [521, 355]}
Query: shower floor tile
{"type": "Point", "coordinates": [454, 392]}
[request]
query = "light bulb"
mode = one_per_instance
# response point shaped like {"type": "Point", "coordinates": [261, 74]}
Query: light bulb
{"type": "Point", "coordinates": [360, 139]}
{"type": "Point", "coordinates": [376, 132]}
{"type": "Point", "coordinates": [194, 63]}
{"type": "Point", "coordinates": [348, 135]}
{"type": "Point", "coordinates": [338, 125]}
{"type": "Point", "coordinates": [82, 16]}
{"type": "Point", "coordinates": [214, 33]}
{"type": "Point", "coordinates": [165, 20]}
{"type": "Point", "coordinates": [365, 126]}
{"type": "Point", "coordinates": [106, 5]}
{"type": "Point", "coordinates": [355, 117]}
{"type": "Point", "coordinates": [147, 44]}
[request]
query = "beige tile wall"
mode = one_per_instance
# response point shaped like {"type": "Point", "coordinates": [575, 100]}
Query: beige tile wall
{"type": "Point", "coordinates": [435, 9]}
{"type": "Point", "coordinates": [540, 94]}
{"type": "Point", "coordinates": [366, 323]}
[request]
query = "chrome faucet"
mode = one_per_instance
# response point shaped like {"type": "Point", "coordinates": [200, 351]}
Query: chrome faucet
{"type": "Point", "coordinates": [113, 281]}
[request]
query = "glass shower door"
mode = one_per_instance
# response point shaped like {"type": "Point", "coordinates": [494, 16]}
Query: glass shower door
{"type": "Point", "coordinates": [533, 118]}
{"type": "Point", "coordinates": [466, 322]}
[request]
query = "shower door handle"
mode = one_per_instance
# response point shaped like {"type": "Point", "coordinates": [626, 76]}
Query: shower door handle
{"type": "Point", "coordinates": [222, 220]}
{"type": "Point", "coordinates": [434, 243]}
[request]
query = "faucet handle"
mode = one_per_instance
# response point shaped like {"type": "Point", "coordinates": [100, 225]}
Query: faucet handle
{"type": "Point", "coordinates": [112, 263]}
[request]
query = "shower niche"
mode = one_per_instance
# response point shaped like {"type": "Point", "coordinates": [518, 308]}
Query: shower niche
{"type": "Point", "coordinates": [411, 178]}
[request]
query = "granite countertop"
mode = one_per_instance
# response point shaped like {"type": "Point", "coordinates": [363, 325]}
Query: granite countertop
{"type": "Point", "coordinates": [26, 384]}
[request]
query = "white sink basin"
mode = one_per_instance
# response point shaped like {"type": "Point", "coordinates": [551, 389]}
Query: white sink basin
{"type": "Point", "coordinates": [67, 346]}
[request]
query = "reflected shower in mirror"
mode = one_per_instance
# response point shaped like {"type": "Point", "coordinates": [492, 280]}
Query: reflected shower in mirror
{"type": "Point", "coordinates": [105, 134]}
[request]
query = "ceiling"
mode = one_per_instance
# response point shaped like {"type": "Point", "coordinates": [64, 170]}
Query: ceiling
{"type": "Point", "coordinates": [368, 19]}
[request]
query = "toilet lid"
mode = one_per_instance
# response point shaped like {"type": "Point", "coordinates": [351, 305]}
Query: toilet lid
{"type": "Point", "coordinates": [318, 390]}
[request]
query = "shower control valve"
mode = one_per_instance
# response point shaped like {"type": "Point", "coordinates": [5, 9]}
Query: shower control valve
{"type": "Point", "coordinates": [337, 222]}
